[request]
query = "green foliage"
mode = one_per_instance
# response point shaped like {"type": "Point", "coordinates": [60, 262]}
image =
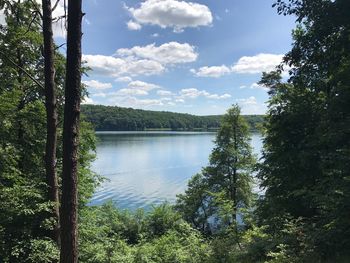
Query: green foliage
{"type": "Point", "coordinates": [306, 162]}
{"type": "Point", "coordinates": [108, 118]}
{"type": "Point", "coordinates": [111, 235]}
{"type": "Point", "coordinates": [25, 220]}
{"type": "Point", "coordinates": [303, 215]}
{"type": "Point", "coordinates": [215, 197]}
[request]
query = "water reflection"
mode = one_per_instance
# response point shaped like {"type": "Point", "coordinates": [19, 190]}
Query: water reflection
{"type": "Point", "coordinates": [147, 168]}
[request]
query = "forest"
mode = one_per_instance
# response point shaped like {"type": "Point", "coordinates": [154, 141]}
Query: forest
{"type": "Point", "coordinates": [113, 118]}
{"type": "Point", "coordinates": [46, 151]}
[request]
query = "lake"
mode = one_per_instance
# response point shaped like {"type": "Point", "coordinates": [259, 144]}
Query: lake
{"type": "Point", "coordinates": [148, 168]}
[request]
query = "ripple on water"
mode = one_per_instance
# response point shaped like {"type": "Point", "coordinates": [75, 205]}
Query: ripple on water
{"type": "Point", "coordinates": [144, 170]}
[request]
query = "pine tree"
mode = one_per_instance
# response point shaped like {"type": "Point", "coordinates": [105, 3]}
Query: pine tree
{"type": "Point", "coordinates": [224, 187]}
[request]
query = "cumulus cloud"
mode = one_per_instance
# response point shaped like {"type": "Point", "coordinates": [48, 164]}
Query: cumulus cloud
{"type": "Point", "coordinates": [100, 94]}
{"type": "Point", "coordinates": [95, 84]}
{"type": "Point", "coordinates": [245, 65]}
{"type": "Point", "coordinates": [213, 72]}
{"type": "Point", "coordinates": [141, 60]}
{"type": "Point", "coordinates": [137, 88]}
{"type": "Point", "coordinates": [133, 25]}
{"type": "Point", "coordinates": [257, 64]}
{"type": "Point", "coordinates": [142, 85]}
{"type": "Point", "coordinates": [255, 86]}
{"type": "Point", "coordinates": [164, 93]}
{"type": "Point", "coordinates": [119, 67]}
{"type": "Point", "coordinates": [193, 93]}
{"type": "Point", "coordinates": [135, 92]}
{"type": "Point", "coordinates": [171, 14]}
{"type": "Point", "coordinates": [131, 101]}
{"type": "Point", "coordinates": [123, 79]}
{"type": "Point", "coordinates": [251, 106]}
{"type": "Point", "coordinates": [218, 97]}
{"type": "Point", "coordinates": [168, 53]}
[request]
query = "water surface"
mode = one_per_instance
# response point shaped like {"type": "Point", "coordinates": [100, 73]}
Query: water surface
{"type": "Point", "coordinates": [148, 168]}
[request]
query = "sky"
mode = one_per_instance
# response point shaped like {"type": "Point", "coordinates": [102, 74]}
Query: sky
{"type": "Point", "coordinates": [195, 56]}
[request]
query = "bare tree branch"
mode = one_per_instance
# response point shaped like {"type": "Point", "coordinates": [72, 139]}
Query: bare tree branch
{"type": "Point", "coordinates": [55, 6]}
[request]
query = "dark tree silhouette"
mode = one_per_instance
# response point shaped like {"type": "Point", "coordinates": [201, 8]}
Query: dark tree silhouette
{"type": "Point", "coordinates": [51, 115]}
{"type": "Point", "coordinates": [69, 250]}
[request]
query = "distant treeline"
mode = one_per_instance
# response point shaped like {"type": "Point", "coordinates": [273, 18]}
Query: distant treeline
{"type": "Point", "coordinates": [111, 118]}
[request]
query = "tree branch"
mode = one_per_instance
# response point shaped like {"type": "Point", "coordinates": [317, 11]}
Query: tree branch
{"type": "Point", "coordinates": [37, 8]}
{"type": "Point", "coordinates": [55, 6]}
{"type": "Point", "coordinates": [22, 69]}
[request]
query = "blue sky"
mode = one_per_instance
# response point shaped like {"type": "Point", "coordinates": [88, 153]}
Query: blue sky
{"type": "Point", "coordinates": [197, 57]}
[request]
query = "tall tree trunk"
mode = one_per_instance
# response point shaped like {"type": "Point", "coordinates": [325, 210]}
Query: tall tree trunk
{"type": "Point", "coordinates": [69, 250]}
{"type": "Point", "coordinates": [51, 115]}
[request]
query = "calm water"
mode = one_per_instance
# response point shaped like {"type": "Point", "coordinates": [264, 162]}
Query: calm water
{"type": "Point", "coordinates": [148, 168]}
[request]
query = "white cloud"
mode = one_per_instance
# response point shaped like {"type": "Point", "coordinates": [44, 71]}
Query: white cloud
{"type": "Point", "coordinates": [248, 101]}
{"type": "Point", "coordinates": [171, 13]}
{"type": "Point", "coordinates": [95, 84]}
{"type": "Point", "coordinates": [119, 67]}
{"type": "Point", "coordinates": [141, 60]}
{"type": "Point", "coordinates": [251, 106]}
{"type": "Point", "coordinates": [257, 64]}
{"type": "Point", "coordinates": [142, 85]}
{"type": "Point", "coordinates": [213, 72]}
{"type": "Point", "coordinates": [137, 88]}
{"type": "Point", "coordinates": [133, 25]}
{"type": "Point", "coordinates": [135, 92]}
{"type": "Point", "coordinates": [130, 101]}
{"type": "Point", "coordinates": [100, 94]}
{"type": "Point", "coordinates": [245, 65]}
{"type": "Point", "coordinates": [168, 53]}
{"type": "Point", "coordinates": [164, 93]}
{"type": "Point", "coordinates": [255, 86]}
{"type": "Point", "coordinates": [155, 35]}
{"type": "Point", "coordinates": [193, 93]}
{"type": "Point", "coordinates": [123, 79]}
{"type": "Point", "coordinates": [219, 97]}
{"type": "Point", "coordinates": [87, 100]}
{"type": "Point", "coordinates": [180, 100]}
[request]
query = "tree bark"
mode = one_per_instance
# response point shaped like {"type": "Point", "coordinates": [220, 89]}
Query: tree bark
{"type": "Point", "coordinates": [69, 249]}
{"type": "Point", "coordinates": [51, 116]}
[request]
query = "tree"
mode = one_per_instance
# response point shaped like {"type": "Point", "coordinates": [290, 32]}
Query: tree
{"type": "Point", "coordinates": [51, 115]}
{"type": "Point", "coordinates": [225, 186]}
{"type": "Point", "coordinates": [306, 165]}
{"type": "Point", "coordinates": [68, 213]}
